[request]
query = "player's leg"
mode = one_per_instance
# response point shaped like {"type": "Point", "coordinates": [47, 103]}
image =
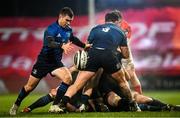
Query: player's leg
{"type": "Point", "coordinates": [88, 89]}
{"type": "Point", "coordinates": [82, 78]}
{"type": "Point", "coordinates": [154, 104]}
{"type": "Point", "coordinates": [42, 101]}
{"type": "Point", "coordinates": [31, 84]}
{"type": "Point", "coordinates": [64, 75]}
{"type": "Point", "coordinates": [119, 76]}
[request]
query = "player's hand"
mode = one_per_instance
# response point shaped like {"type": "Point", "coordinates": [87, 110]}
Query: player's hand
{"type": "Point", "coordinates": [67, 47]}
{"type": "Point", "coordinates": [87, 46]}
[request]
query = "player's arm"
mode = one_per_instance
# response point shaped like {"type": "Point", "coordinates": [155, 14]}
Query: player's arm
{"type": "Point", "coordinates": [52, 43]}
{"type": "Point", "coordinates": [50, 34]}
{"type": "Point", "coordinates": [91, 37]}
{"type": "Point", "coordinates": [79, 43]}
{"type": "Point", "coordinates": [124, 49]}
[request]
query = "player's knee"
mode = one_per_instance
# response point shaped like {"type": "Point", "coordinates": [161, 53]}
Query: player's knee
{"type": "Point", "coordinates": [66, 78]}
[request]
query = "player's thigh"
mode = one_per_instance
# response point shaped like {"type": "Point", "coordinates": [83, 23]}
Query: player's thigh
{"type": "Point", "coordinates": [94, 81]}
{"type": "Point", "coordinates": [82, 78]}
{"type": "Point", "coordinates": [93, 62]}
{"type": "Point", "coordinates": [62, 74]}
{"type": "Point", "coordinates": [111, 63]}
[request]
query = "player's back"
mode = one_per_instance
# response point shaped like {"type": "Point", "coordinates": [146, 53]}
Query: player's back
{"type": "Point", "coordinates": [107, 36]}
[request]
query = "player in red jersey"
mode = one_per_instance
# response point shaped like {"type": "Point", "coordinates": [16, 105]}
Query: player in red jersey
{"type": "Point", "coordinates": [128, 63]}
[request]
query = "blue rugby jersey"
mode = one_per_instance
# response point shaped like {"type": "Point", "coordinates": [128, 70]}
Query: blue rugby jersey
{"type": "Point", "coordinates": [107, 36]}
{"type": "Point", "coordinates": [61, 35]}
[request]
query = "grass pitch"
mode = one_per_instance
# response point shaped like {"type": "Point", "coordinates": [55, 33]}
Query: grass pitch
{"type": "Point", "coordinates": [171, 97]}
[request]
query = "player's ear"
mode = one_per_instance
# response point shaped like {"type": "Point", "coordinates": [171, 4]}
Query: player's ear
{"type": "Point", "coordinates": [60, 16]}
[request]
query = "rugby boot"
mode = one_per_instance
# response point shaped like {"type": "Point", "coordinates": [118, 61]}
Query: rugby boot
{"type": "Point", "coordinates": [170, 107]}
{"type": "Point", "coordinates": [133, 106]}
{"type": "Point", "coordinates": [83, 108]}
{"type": "Point", "coordinates": [55, 109]}
{"type": "Point", "coordinates": [13, 110]}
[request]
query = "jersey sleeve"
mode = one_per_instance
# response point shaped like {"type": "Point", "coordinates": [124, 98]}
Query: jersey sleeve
{"type": "Point", "coordinates": [76, 41]}
{"type": "Point", "coordinates": [91, 36]}
{"type": "Point", "coordinates": [49, 37]}
{"type": "Point", "coordinates": [51, 31]}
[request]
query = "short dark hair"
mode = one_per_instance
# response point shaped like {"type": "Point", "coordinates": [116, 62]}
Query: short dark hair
{"type": "Point", "coordinates": [118, 13]}
{"type": "Point", "coordinates": [112, 16]}
{"type": "Point", "coordinates": [67, 11]}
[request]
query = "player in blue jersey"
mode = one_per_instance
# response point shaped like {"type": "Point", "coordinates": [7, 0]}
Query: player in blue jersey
{"type": "Point", "coordinates": [57, 39]}
{"type": "Point", "coordinates": [105, 40]}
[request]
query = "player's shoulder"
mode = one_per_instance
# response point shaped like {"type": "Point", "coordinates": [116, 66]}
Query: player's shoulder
{"type": "Point", "coordinates": [97, 26]}
{"type": "Point", "coordinates": [53, 26]}
{"type": "Point", "coordinates": [101, 26]}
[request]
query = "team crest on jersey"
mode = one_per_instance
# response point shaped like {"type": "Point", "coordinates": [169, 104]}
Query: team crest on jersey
{"type": "Point", "coordinates": [106, 29]}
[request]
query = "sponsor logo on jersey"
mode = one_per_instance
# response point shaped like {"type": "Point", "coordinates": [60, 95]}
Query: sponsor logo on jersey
{"type": "Point", "coordinates": [59, 35]}
{"type": "Point", "coordinates": [34, 71]}
{"type": "Point", "coordinates": [106, 29]}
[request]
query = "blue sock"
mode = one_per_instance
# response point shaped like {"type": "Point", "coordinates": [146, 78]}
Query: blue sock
{"type": "Point", "coordinates": [21, 96]}
{"type": "Point", "coordinates": [60, 93]}
{"type": "Point", "coordinates": [65, 100]}
{"type": "Point", "coordinates": [41, 102]}
{"type": "Point", "coordinates": [84, 99]}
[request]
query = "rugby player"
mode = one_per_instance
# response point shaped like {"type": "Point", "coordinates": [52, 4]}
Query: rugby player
{"type": "Point", "coordinates": [127, 64]}
{"type": "Point", "coordinates": [58, 38]}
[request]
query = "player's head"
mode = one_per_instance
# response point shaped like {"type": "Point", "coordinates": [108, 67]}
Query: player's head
{"type": "Point", "coordinates": [66, 15]}
{"type": "Point", "coordinates": [118, 13]}
{"type": "Point", "coordinates": [113, 16]}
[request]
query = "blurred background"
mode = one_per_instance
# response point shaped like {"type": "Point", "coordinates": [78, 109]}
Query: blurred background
{"type": "Point", "coordinates": [155, 40]}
